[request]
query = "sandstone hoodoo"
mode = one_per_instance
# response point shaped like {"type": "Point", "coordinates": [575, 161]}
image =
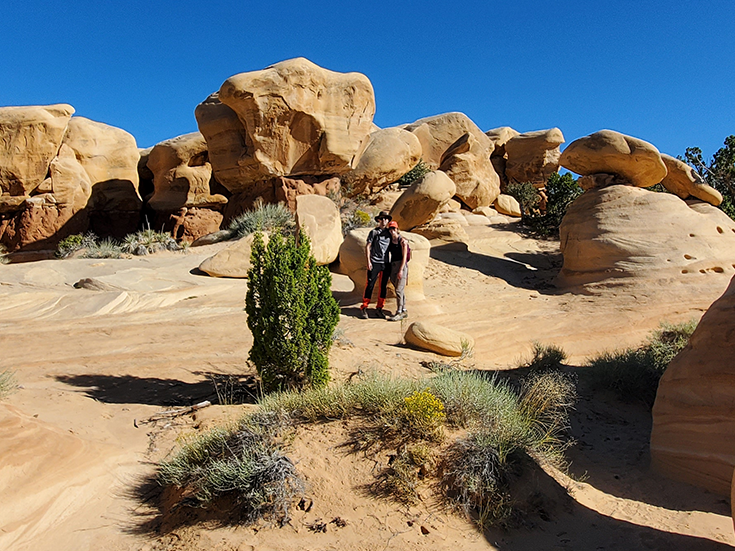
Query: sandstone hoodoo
{"type": "Point", "coordinates": [694, 413]}
{"type": "Point", "coordinates": [533, 156]}
{"type": "Point", "coordinates": [466, 163]}
{"type": "Point", "coordinates": [423, 200]}
{"type": "Point", "coordinates": [611, 152]}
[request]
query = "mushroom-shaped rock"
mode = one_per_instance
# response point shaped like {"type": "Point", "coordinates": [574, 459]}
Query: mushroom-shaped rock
{"type": "Point", "coordinates": [611, 152]}
{"type": "Point", "coordinates": [684, 181]}
{"type": "Point", "coordinates": [299, 119]}
{"type": "Point", "coordinates": [319, 219]}
{"type": "Point", "coordinates": [622, 231]}
{"type": "Point", "coordinates": [352, 261]}
{"type": "Point", "coordinates": [439, 132]}
{"type": "Point", "coordinates": [182, 174]}
{"type": "Point", "coordinates": [438, 339]}
{"type": "Point", "coordinates": [694, 413]}
{"type": "Point", "coordinates": [533, 156]}
{"type": "Point", "coordinates": [508, 205]}
{"type": "Point", "coordinates": [422, 200]}
{"type": "Point", "coordinates": [234, 261]}
{"type": "Point", "coordinates": [387, 155]}
{"type": "Point", "coordinates": [29, 139]}
{"type": "Point", "coordinates": [468, 164]}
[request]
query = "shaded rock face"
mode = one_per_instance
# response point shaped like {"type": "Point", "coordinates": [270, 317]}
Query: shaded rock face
{"type": "Point", "coordinates": [533, 156]}
{"type": "Point", "coordinates": [468, 164]}
{"type": "Point", "coordinates": [611, 152]}
{"type": "Point", "coordinates": [684, 181]}
{"type": "Point", "coordinates": [438, 339]}
{"type": "Point", "coordinates": [319, 219]}
{"type": "Point", "coordinates": [386, 155]}
{"type": "Point", "coordinates": [352, 262]}
{"type": "Point", "coordinates": [622, 231]}
{"type": "Point", "coordinates": [422, 200]}
{"type": "Point", "coordinates": [694, 413]}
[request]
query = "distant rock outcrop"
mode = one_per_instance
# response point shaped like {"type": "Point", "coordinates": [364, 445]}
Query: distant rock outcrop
{"type": "Point", "coordinates": [233, 261]}
{"type": "Point", "coordinates": [694, 413]}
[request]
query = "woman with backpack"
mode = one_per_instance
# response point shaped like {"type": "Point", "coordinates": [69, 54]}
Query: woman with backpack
{"type": "Point", "coordinates": [399, 253]}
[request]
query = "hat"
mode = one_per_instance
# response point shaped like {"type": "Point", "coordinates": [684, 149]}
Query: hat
{"type": "Point", "coordinates": [383, 214]}
{"type": "Point", "coordinates": [393, 225]}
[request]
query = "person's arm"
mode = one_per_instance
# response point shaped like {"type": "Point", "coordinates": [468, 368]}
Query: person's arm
{"type": "Point", "coordinates": [367, 252]}
{"type": "Point", "coordinates": [404, 248]}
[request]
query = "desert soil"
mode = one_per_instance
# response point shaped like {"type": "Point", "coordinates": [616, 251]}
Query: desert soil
{"type": "Point", "coordinates": [96, 366]}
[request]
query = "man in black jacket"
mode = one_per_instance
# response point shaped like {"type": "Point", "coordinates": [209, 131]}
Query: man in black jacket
{"type": "Point", "coordinates": [378, 266]}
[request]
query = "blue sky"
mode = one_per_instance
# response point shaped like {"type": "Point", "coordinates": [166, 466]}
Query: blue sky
{"type": "Point", "coordinates": [660, 71]}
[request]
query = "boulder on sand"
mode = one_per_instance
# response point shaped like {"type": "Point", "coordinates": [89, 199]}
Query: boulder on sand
{"type": "Point", "coordinates": [422, 200]}
{"type": "Point", "coordinates": [438, 339]}
{"type": "Point", "coordinates": [508, 205]}
{"type": "Point", "coordinates": [234, 261]}
{"type": "Point", "coordinates": [319, 219]}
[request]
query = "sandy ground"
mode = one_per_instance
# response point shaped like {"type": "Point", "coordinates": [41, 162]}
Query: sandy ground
{"type": "Point", "coordinates": [95, 364]}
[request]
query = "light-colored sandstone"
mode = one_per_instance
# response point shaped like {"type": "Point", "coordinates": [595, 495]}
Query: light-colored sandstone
{"type": "Point", "coordinates": [319, 218]}
{"type": "Point", "coordinates": [460, 218]}
{"type": "Point", "coordinates": [467, 163]}
{"type": "Point", "coordinates": [29, 139]}
{"type": "Point", "coordinates": [499, 137]}
{"type": "Point", "coordinates": [452, 206]}
{"type": "Point", "coordinates": [69, 182]}
{"type": "Point", "coordinates": [444, 230]}
{"type": "Point", "coordinates": [694, 414]}
{"type": "Point", "coordinates": [684, 181]}
{"type": "Point", "coordinates": [508, 205]}
{"type": "Point", "coordinates": [486, 211]}
{"type": "Point", "coordinates": [476, 219]}
{"type": "Point", "coordinates": [438, 339]}
{"type": "Point", "coordinates": [234, 261]}
{"type": "Point", "coordinates": [533, 156]}
{"type": "Point", "coordinates": [422, 200]}
{"type": "Point", "coordinates": [614, 153]}
{"type": "Point", "coordinates": [386, 155]}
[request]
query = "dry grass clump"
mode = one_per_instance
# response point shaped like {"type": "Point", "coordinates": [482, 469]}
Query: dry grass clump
{"type": "Point", "coordinates": [634, 373]}
{"type": "Point", "coordinates": [148, 241]}
{"type": "Point", "coordinates": [8, 383]}
{"type": "Point", "coordinates": [546, 357]}
{"type": "Point", "coordinates": [264, 218]}
{"type": "Point", "coordinates": [3, 255]}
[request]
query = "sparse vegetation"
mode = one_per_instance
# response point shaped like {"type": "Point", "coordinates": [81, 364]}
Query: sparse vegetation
{"type": "Point", "coordinates": [718, 172]}
{"type": "Point", "coordinates": [8, 383]}
{"type": "Point", "coordinates": [263, 218]}
{"type": "Point", "coordinates": [291, 313]}
{"type": "Point", "coordinates": [527, 196]}
{"type": "Point", "coordinates": [415, 174]}
{"type": "Point", "coordinates": [73, 243]}
{"type": "Point", "coordinates": [143, 242]}
{"type": "Point", "coordinates": [545, 358]}
{"type": "Point", "coordinates": [149, 241]}
{"type": "Point", "coordinates": [634, 373]}
{"type": "Point", "coordinates": [3, 255]}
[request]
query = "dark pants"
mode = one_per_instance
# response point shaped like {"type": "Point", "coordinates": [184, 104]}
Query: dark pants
{"type": "Point", "coordinates": [380, 270]}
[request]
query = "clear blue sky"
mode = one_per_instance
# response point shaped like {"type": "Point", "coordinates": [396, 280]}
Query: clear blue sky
{"type": "Point", "coordinates": [663, 71]}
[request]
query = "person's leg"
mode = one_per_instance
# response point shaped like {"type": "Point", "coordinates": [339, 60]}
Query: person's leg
{"type": "Point", "coordinates": [372, 277]}
{"type": "Point", "coordinates": [401, 292]}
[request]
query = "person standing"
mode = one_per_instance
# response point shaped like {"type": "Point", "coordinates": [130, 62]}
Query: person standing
{"type": "Point", "coordinates": [378, 267]}
{"type": "Point", "coordinates": [398, 253]}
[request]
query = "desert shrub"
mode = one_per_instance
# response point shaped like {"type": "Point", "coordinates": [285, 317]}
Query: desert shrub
{"type": "Point", "coordinates": [291, 313]}
{"type": "Point", "coordinates": [264, 218]}
{"type": "Point", "coordinates": [561, 191]}
{"type": "Point", "coordinates": [527, 196]}
{"type": "Point", "coordinates": [245, 463]}
{"type": "Point", "coordinates": [8, 383]}
{"type": "Point", "coordinates": [634, 373]}
{"type": "Point", "coordinates": [106, 248]}
{"type": "Point", "coordinates": [355, 218]}
{"type": "Point", "coordinates": [719, 172]}
{"type": "Point", "coordinates": [73, 243]}
{"type": "Point", "coordinates": [414, 175]}
{"type": "Point", "coordinates": [546, 357]}
{"type": "Point", "coordinates": [148, 242]}
{"type": "Point", "coordinates": [400, 480]}
{"type": "Point", "coordinates": [424, 412]}
{"type": "Point", "coordinates": [3, 255]}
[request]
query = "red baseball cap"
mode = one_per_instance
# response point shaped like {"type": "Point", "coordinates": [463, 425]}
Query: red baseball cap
{"type": "Point", "coordinates": [393, 224]}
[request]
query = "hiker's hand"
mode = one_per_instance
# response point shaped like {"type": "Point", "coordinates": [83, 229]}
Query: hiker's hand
{"type": "Point", "coordinates": [400, 275]}
{"type": "Point", "coordinates": [369, 266]}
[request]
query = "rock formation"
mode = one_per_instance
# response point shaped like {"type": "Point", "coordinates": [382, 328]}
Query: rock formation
{"type": "Point", "coordinates": [319, 219]}
{"type": "Point", "coordinates": [233, 261]}
{"type": "Point", "coordinates": [508, 205]}
{"type": "Point", "coordinates": [422, 200]}
{"type": "Point", "coordinates": [467, 163]}
{"type": "Point", "coordinates": [533, 156]}
{"type": "Point", "coordinates": [684, 181]}
{"type": "Point", "coordinates": [694, 413]}
{"type": "Point", "coordinates": [438, 339]}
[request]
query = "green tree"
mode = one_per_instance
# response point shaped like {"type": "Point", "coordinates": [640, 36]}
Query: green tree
{"type": "Point", "coordinates": [291, 313]}
{"type": "Point", "coordinates": [719, 172]}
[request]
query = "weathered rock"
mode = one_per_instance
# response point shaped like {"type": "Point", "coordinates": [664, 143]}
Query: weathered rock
{"type": "Point", "coordinates": [621, 231]}
{"type": "Point", "coordinates": [189, 223]}
{"type": "Point", "coordinates": [476, 219]}
{"type": "Point", "coordinates": [499, 137]}
{"type": "Point", "coordinates": [298, 118]}
{"type": "Point", "coordinates": [234, 261]}
{"type": "Point", "coordinates": [614, 153]}
{"type": "Point", "coordinates": [508, 205]}
{"type": "Point", "coordinates": [319, 218]}
{"type": "Point", "coordinates": [212, 238]}
{"type": "Point", "coordinates": [533, 156]}
{"type": "Point", "coordinates": [29, 139]}
{"type": "Point", "coordinates": [489, 212]}
{"type": "Point", "coordinates": [467, 163]}
{"type": "Point", "coordinates": [145, 174]}
{"type": "Point", "coordinates": [386, 155]}
{"type": "Point", "coordinates": [438, 339]}
{"type": "Point", "coordinates": [69, 182]}
{"type": "Point", "coordinates": [443, 229]}
{"type": "Point", "coordinates": [457, 216]}
{"type": "Point", "coordinates": [439, 132]}
{"type": "Point", "coordinates": [422, 200]}
{"type": "Point", "coordinates": [352, 261]}
{"type": "Point", "coordinates": [694, 413]}
{"type": "Point", "coordinates": [41, 224]}
{"type": "Point", "coordinates": [182, 174]}
{"type": "Point", "coordinates": [110, 157]}
{"type": "Point", "coordinates": [385, 199]}
{"type": "Point", "coordinates": [600, 180]}
{"type": "Point", "coordinates": [684, 181]}
{"type": "Point", "coordinates": [452, 206]}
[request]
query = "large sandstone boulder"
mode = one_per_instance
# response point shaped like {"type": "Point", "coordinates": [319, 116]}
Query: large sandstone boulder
{"type": "Point", "coordinates": [422, 200]}
{"type": "Point", "coordinates": [508, 205]}
{"type": "Point", "coordinates": [439, 132]}
{"type": "Point", "coordinates": [352, 261]}
{"type": "Point", "coordinates": [443, 230]}
{"type": "Point", "coordinates": [694, 413]}
{"type": "Point", "coordinates": [234, 261]}
{"type": "Point", "coordinates": [621, 231]}
{"type": "Point", "coordinates": [387, 155]}
{"type": "Point", "coordinates": [611, 152]}
{"type": "Point", "coordinates": [438, 339]}
{"type": "Point", "coordinates": [684, 181]}
{"type": "Point", "coordinates": [533, 156]}
{"type": "Point", "coordinates": [499, 137]}
{"type": "Point", "coordinates": [29, 139]}
{"type": "Point", "coordinates": [467, 163]}
{"type": "Point", "coordinates": [298, 118]}
{"type": "Point", "coordinates": [182, 174]}
{"type": "Point", "coordinates": [319, 218]}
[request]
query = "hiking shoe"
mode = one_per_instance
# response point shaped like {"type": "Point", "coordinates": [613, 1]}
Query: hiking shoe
{"type": "Point", "coordinates": [396, 317]}
{"type": "Point", "coordinates": [401, 315]}
{"type": "Point", "coordinates": [381, 313]}
{"type": "Point", "coordinates": [363, 313]}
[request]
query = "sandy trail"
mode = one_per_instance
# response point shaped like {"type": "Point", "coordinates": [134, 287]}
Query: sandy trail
{"type": "Point", "coordinates": [93, 363]}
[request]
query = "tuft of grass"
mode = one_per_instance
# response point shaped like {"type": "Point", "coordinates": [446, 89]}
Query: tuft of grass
{"type": "Point", "coordinates": [3, 254]}
{"type": "Point", "coordinates": [149, 241]}
{"type": "Point", "coordinates": [407, 468]}
{"type": "Point", "coordinates": [265, 218]}
{"type": "Point", "coordinates": [634, 373]}
{"type": "Point", "coordinates": [8, 383]}
{"type": "Point", "coordinates": [107, 248]}
{"type": "Point", "coordinates": [546, 357]}
{"type": "Point", "coordinates": [73, 243]}
{"type": "Point", "coordinates": [415, 174]}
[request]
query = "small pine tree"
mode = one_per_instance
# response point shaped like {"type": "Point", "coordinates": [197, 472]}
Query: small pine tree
{"type": "Point", "coordinates": [291, 313]}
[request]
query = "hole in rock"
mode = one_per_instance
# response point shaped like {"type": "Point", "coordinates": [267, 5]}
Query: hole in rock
{"type": "Point", "coordinates": [688, 256]}
{"type": "Point", "coordinates": [685, 271]}
{"type": "Point", "coordinates": [718, 270]}
{"type": "Point", "coordinates": [720, 230]}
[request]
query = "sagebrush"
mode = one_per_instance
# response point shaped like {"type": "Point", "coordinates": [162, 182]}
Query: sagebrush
{"type": "Point", "coordinates": [263, 218]}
